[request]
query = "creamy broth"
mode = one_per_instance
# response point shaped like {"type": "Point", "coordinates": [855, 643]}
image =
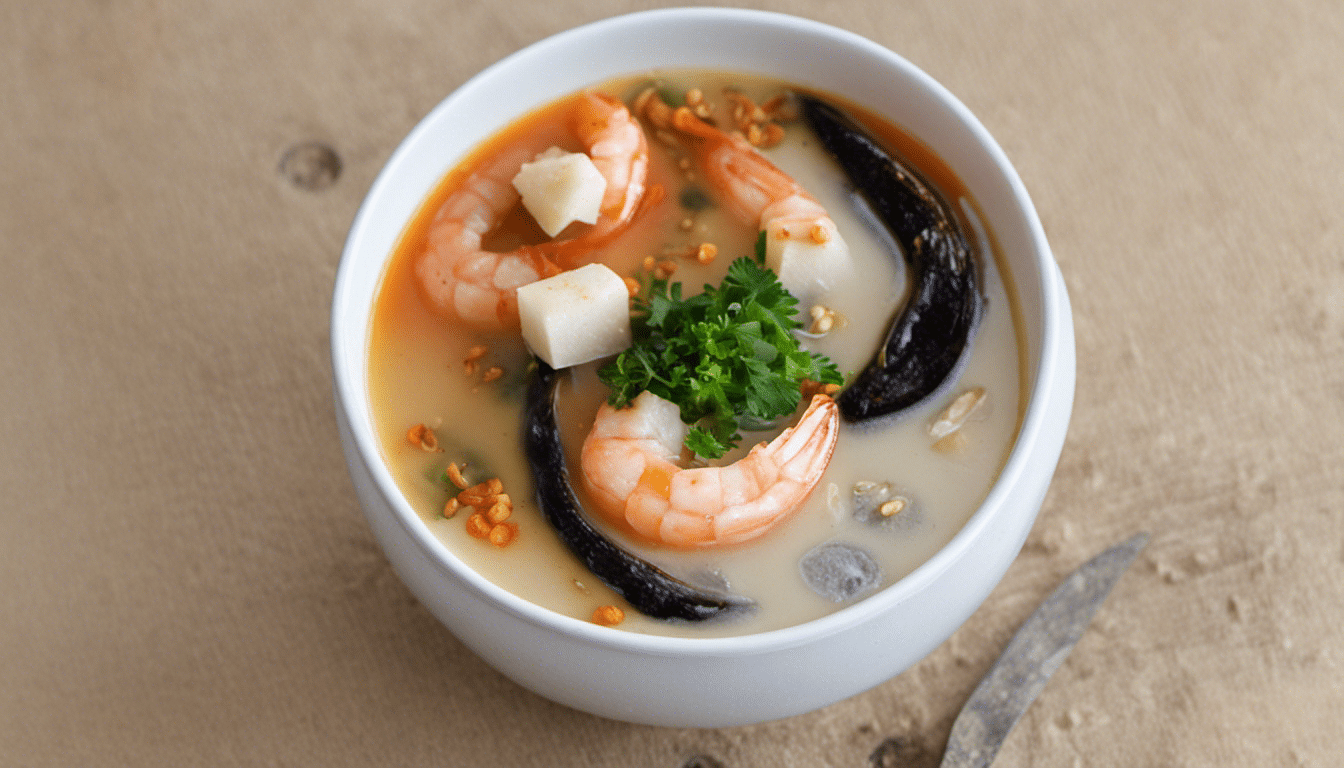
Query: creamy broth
{"type": "Point", "coordinates": [418, 375]}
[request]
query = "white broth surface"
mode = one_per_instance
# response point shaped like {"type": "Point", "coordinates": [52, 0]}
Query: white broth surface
{"type": "Point", "coordinates": [419, 375]}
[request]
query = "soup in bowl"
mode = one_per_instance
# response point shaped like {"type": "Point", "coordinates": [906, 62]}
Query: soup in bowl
{"type": "Point", "coordinates": [706, 380]}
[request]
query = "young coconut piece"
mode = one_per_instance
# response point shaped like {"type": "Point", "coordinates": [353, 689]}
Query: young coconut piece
{"type": "Point", "coordinates": [559, 188]}
{"type": "Point", "coordinates": [809, 258]}
{"type": "Point", "coordinates": [576, 316]}
{"type": "Point", "coordinates": [649, 589]}
{"type": "Point", "coordinates": [930, 335]}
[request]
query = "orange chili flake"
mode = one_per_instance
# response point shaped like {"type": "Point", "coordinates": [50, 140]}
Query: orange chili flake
{"type": "Point", "coordinates": [494, 372]}
{"type": "Point", "coordinates": [478, 526]}
{"type": "Point", "coordinates": [499, 512]}
{"type": "Point", "coordinates": [608, 615]}
{"type": "Point", "coordinates": [423, 438]}
{"type": "Point", "coordinates": [503, 534]}
{"type": "Point", "coordinates": [665, 269]}
{"type": "Point", "coordinates": [744, 110]}
{"type": "Point", "coordinates": [774, 133]}
{"type": "Point", "coordinates": [808, 388]}
{"type": "Point", "coordinates": [477, 500]}
{"type": "Point", "coordinates": [492, 487]}
{"type": "Point", "coordinates": [706, 253]}
{"type": "Point", "coordinates": [471, 363]}
{"type": "Point", "coordinates": [454, 473]}
{"type": "Point", "coordinates": [450, 508]}
{"type": "Point", "coordinates": [755, 135]}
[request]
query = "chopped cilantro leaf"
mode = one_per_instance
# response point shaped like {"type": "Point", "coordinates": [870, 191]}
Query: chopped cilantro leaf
{"type": "Point", "coordinates": [726, 357]}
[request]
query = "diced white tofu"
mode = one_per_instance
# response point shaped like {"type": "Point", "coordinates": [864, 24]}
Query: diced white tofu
{"type": "Point", "coordinates": [560, 188]}
{"type": "Point", "coordinates": [576, 316]}
{"type": "Point", "coordinates": [809, 259]}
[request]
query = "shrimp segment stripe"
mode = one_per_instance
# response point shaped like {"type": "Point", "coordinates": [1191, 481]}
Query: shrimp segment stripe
{"type": "Point", "coordinates": [647, 588]}
{"type": "Point", "coordinates": [459, 279]}
{"type": "Point", "coordinates": [628, 464]}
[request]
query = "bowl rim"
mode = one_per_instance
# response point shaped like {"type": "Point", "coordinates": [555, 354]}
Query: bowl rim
{"type": "Point", "coordinates": [350, 399]}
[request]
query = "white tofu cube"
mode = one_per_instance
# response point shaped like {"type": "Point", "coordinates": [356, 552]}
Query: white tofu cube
{"type": "Point", "coordinates": [560, 188]}
{"type": "Point", "coordinates": [808, 262]}
{"type": "Point", "coordinates": [576, 316]}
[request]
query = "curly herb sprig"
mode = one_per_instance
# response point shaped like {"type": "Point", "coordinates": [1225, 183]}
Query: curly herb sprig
{"type": "Point", "coordinates": [727, 357]}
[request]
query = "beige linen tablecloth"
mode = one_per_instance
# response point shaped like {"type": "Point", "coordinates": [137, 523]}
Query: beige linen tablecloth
{"type": "Point", "coordinates": [185, 575]}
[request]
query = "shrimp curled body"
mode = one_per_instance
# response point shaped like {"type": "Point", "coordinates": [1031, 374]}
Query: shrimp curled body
{"type": "Point", "coordinates": [752, 188]}
{"type": "Point", "coordinates": [628, 462]}
{"type": "Point", "coordinates": [460, 279]}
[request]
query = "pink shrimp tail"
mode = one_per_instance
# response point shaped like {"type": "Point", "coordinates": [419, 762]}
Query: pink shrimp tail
{"type": "Point", "coordinates": [749, 182]}
{"type": "Point", "coordinates": [627, 463]}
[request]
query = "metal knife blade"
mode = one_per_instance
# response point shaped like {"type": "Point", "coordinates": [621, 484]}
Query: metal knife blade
{"type": "Point", "coordinates": [1035, 652]}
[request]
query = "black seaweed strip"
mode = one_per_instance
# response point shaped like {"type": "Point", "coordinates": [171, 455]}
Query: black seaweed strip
{"type": "Point", "coordinates": [647, 588]}
{"type": "Point", "coordinates": [931, 333]}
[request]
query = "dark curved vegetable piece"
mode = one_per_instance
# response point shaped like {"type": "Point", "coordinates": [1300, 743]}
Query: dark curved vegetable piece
{"type": "Point", "coordinates": [927, 339]}
{"type": "Point", "coordinates": [648, 588]}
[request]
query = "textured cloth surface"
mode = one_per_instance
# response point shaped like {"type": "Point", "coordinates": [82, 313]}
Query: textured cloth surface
{"type": "Point", "coordinates": [186, 577]}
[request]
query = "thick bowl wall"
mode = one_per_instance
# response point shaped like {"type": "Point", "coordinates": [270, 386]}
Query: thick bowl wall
{"type": "Point", "coordinates": [714, 681]}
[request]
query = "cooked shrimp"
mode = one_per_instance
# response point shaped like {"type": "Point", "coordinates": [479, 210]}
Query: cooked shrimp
{"type": "Point", "coordinates": [616, 144]}
{"type": "Point", "coordinates": [751, 187]}
{"type": "Point", "coordinates": [629, 463]}
{"type": "Point", "coordinates": [461, 279]}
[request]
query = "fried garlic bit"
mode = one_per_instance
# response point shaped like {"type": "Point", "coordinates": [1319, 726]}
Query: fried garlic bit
{"type": "Point", "coordinates": [695, 99]}
{"type": "Point", "coordinates": [472, 364]}
{"type": "Point", "coordinates": [892, 507]}
{"type": "Point", "coordinates": [758, 122]}
{"type": "Point", "coordinates": [502, 534]}
{"type": "Point", "coordinates": [454, 474]}
{"type": "Point", "coordinates": [608, 615]}
{"type": "Point", "coordinates": [472, 361]}
{"type": "Point", "coordinates": [657, 111]}
{"type": "Point", "coordinates": [490, 507]}
{"type": "Point", "coordinates": [825, 320]}
{"type": "Point", "coordinates": [808, 388]}
{"type": "Point", "coordinates": [423, 438]}
{"type": "Point", "coordinates": [873, 500]}
{"type": "Point", "coordinates": [706, 253]}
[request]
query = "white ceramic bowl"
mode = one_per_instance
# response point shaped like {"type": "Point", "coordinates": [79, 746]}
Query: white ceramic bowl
{"type": "Point", "coordinates": [709, 682]}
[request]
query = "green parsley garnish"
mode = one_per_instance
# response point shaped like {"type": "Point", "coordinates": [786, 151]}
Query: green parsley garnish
{"type": "Point", "coordinates": [727, 357]}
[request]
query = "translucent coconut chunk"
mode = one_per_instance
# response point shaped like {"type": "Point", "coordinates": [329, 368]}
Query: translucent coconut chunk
{"type": "Point", "coordinates": [576, 316]}
{"type": "Point", "coordinates": [809, 257]}
{"type": "Point", "coordinates": [560, 188]}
